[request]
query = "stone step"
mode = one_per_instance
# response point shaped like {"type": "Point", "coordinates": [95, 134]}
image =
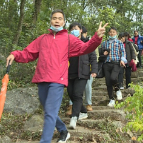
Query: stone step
{"type": "Point", "coordinates": [100, 87]}
{"type": "Point", "coordinates": [89, 135]}
{"type": "Point", "coordinates": [95, 124]}
{"type": "Point", "coordinates": [104, 102]}
{"type": "Point", "coordinates": [85, 132]}
{"type": "Point", "coordinates": [113, 114]}
{"type": "Point", "coordinates": [100, 124]}
{"type": "Point", "coordinates": [101, 108]}
{"type": "Point", "coordinates": [88, 128]}
{"type": "Point", "coordinates": [101, 93]}
{"type": "Point", "coordinates": [140, 73]}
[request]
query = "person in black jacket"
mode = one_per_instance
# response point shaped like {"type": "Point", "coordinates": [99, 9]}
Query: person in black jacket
{"type": "Point", "coordinates": [130, 55]}
{"type": "Point", "coordinates": [79, 73]}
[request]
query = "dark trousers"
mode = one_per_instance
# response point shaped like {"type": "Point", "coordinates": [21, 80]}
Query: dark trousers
{"type": "Point", "coordinates": [111, 71]}
{"type": "Point", "coordinates": [139, 57]}
{"type": "Point", "coordinates": [75, 90]}
{"type": "Point", "coordinates": [121, 76]}
{"type": "Point", "coordinates": [128, 75]}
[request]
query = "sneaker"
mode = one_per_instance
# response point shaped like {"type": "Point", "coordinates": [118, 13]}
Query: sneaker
{"type": "Point", "coordinates": [69, 110]}
{"type": "Point", "coordinates": [89, 108]}
{"type": "Point", "coordinates": [73, 121]}
{"type": "Point", "coordinates": [111, 103]}
{"type": "Point", "coordinates": [64, 136]}
{"type": "Point", "coordinates": [82, 116]}
{"type": "Point", "coordinates": [119, 95]}
{"type": "Point", "coordinates": [121, 87]}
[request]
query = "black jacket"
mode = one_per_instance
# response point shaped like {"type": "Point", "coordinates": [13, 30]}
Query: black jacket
{"type": "Point", "coordinates": [130, 53]}
{"type": "Point", "coordinates": [80, 66]}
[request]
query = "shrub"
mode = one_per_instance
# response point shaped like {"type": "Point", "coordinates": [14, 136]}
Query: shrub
{"type": "Point", "coordinates": [133, 105]}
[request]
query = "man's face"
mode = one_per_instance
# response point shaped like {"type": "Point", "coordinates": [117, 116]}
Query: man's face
{"type": "Point", "coordinates": [77, 28]}
{"type": "Point", "coordinates": [135, 33]}
{"type": "Point", "coordinates": [112, 33]}
{"type": "Point", "coordinates": [57, 20]}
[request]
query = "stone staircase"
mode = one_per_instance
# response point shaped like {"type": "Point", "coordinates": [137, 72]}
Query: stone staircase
{"type": "Point", "coordinates": [104, 124]}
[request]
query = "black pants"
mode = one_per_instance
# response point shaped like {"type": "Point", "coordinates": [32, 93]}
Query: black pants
{"type": "Point", "coordinates": [139, 57]}
{"type": "Point", "coordinates": [111, 71]}
{"type": "Point", "coordinates": [75, 90]}
{"type": "Point", "coordinates": [121, 76]}
{"type": "Point", "coordinates": [128, 75]}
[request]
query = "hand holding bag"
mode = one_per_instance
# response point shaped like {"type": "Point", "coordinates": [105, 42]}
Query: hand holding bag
{"type": "Point", "coordinates": [101, 60]}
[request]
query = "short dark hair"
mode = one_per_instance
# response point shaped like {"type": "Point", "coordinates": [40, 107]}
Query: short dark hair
{"type": "Point", "coordinates": [75, 24]}
{"type": "Point", "coordinates": [84, 30]}
{"type": "Point", "coordinates": [135, 31]}
{"type": "Point", "coordinates": [58, 11]}
{"type": "Point", "coordinates": [127, 34]}
{"type": "Point", "coordinates": [112, 28]}
{"type": "Point", "coordinates": [121, 35]}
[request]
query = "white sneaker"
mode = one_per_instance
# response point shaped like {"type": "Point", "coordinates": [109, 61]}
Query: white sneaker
{"type": "Point", "coordinates": [82, 116]}
{"type": "Point", "coordinates": [73, 121]}
{"type": "Point", "coordinates": [121, 87]}
{"type": "Point", "coordinates": [111, 103]}
{"type": "Point", "coordinates": [119, 95]}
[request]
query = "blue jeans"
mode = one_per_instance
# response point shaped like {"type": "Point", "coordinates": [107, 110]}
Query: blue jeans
{"type": "Point", "coordinates": [88, 91]}
{"type": "Point", "coordinates": [50, 95]}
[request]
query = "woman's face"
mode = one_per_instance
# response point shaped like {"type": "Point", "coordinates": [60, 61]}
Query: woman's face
{"type": "Point", "coordinates": [123, 39]}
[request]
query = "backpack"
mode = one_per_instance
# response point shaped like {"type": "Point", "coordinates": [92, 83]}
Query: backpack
{"type": "Point", "coordinates": [135, 47]}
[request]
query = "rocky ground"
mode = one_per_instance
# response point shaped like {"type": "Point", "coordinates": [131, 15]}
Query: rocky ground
{"type": "Point", "coordinates": [103, 125]}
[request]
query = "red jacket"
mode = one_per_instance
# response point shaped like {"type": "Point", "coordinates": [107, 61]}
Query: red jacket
{"type": "Point", "coordinates": [52, 53]}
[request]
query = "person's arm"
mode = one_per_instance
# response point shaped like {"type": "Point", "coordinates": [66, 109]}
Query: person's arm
{"type": "Point", "coordinates": [133, 40]}
{"type": "Point", "coordinates": [123, 54]}
{"type": "Point", "coordinates": [30, 53]}
{"type": "Point", "coordinates": [77, 47]}
{"type": "Point", "coordinates": [141, 39]}
{"type": "Point", "coordinates": [93, 62]}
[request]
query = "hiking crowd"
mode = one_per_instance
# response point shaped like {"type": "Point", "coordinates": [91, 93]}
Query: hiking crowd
{"type": "Point", "coordinates": [54, 51]}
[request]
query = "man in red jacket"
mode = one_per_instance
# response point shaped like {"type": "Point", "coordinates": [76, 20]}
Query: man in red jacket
{"type": "Point", "coordinates": [53, 51]}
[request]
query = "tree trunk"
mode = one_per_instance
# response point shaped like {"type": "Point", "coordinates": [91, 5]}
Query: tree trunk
{"type": "Point", "coordinates": [19, 29]}
{"type": "Point", "coordinates": [11, 12]}
{"type": "Point", "coordinates": [36, 10]}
